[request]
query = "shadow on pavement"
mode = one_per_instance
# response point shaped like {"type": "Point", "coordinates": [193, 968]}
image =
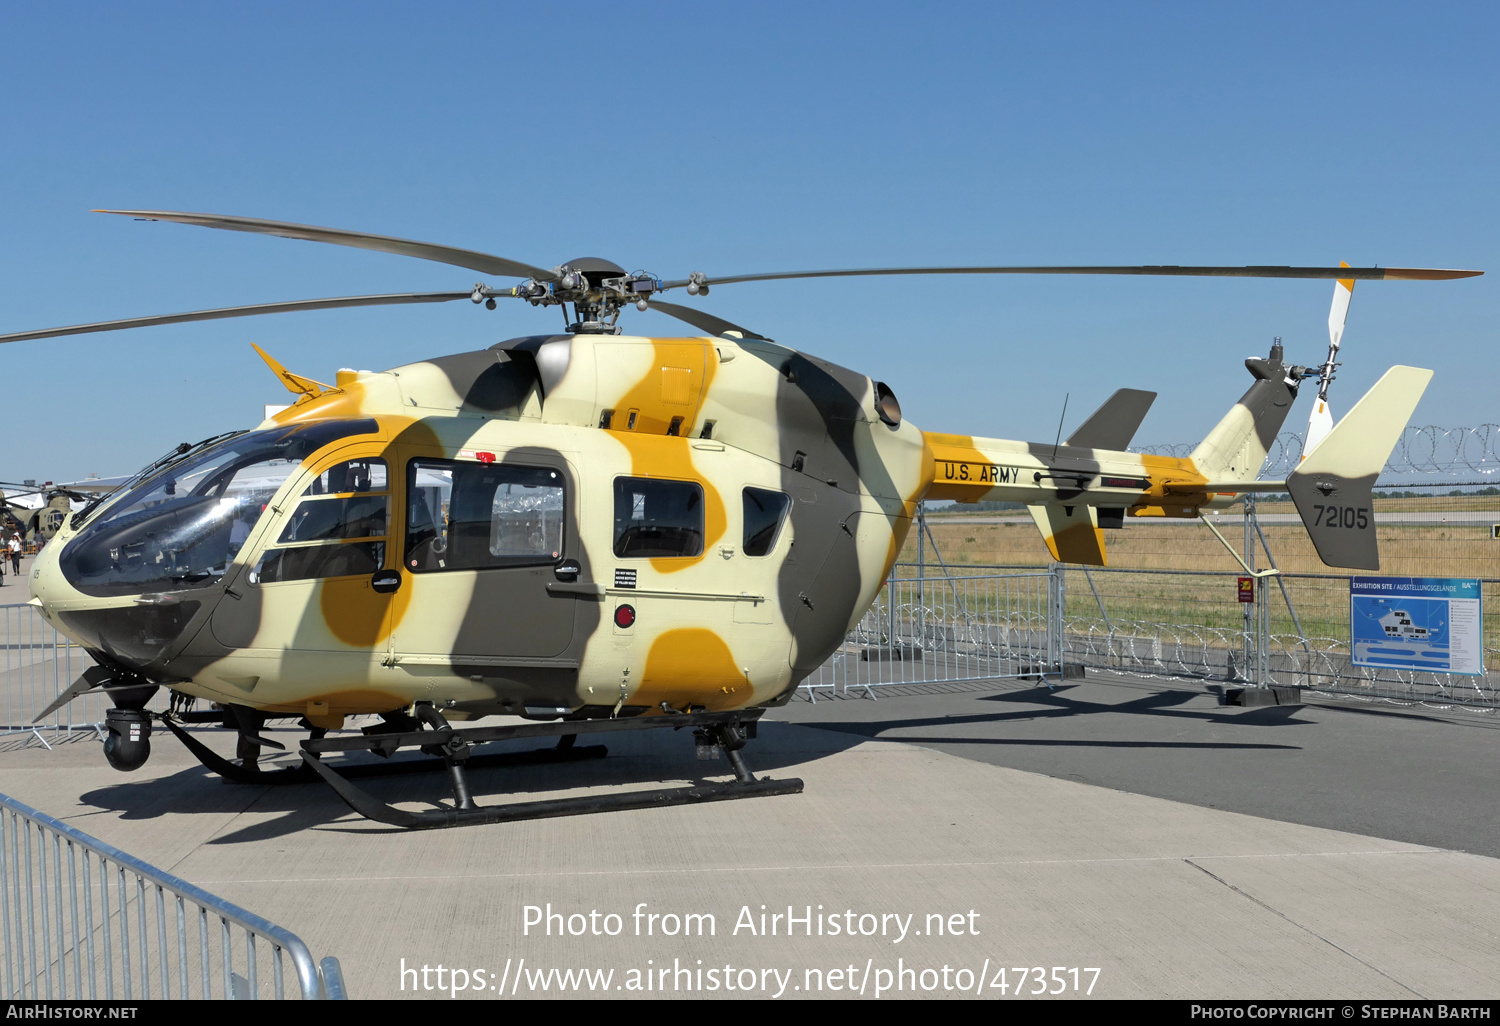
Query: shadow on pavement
{"type": "Point", "coordinates": [633, 763]}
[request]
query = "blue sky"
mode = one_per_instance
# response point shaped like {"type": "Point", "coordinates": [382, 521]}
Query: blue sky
{"type": "Point", "coordinates": [680, 137]}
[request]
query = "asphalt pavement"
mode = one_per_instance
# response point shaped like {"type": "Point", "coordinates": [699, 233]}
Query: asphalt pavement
{"type": "Point", "coordinates": [1407, 773]}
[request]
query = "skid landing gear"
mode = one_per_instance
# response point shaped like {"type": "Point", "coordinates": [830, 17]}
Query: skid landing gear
{"type": "Point", "coordinates": [246, 772]}
{"type": "Point", "coordinates": [726, 731]}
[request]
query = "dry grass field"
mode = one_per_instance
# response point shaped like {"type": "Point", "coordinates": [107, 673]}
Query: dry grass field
{"type": "Point", "coordinates": [1462, 548]}
{"type": "Point", "coordinates": [1450, 550]}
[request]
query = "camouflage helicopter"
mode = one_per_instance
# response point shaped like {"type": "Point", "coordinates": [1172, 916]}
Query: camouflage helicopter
{"type": "Point", "coordinates": [591, 531]}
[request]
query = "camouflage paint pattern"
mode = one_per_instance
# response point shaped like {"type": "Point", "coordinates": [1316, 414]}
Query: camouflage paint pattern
{"type": "Point", "coordinates": [720, 630]}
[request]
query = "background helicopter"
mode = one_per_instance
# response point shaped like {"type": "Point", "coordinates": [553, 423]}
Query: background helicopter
{"type": "Point", "coordinates": [37, 512]}
{"type": "Point", "coordinates": [589, 529]}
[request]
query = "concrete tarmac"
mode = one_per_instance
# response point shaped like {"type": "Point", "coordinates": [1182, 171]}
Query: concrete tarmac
{"type": "Point", "coordinates": [1165, 897]}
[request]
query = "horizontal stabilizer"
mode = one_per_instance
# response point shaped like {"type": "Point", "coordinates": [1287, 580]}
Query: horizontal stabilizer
{"type": "Point", "coordinates": [1333, 487]}
{"type": "Point", "coordinates": [93, 677]}
{"type": "Point", "coordinates": [1225, 487]}
{"type": "Point", "coordinates": [1072, 532]}
{"type": "Point", "coordinates": [1114, 424]}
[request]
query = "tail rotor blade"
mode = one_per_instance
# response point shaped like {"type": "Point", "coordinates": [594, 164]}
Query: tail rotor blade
{"type": "Point", "coordinates": [1320, 420]}
{"type": "Point", "coordinates": [1319, 423]}
{"type": "Point", "coordinates": [1343, 292]}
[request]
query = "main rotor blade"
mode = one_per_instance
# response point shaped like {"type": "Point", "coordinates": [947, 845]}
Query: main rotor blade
{"type": "Point", "coordinates": [473, 260]}
{"type": "Point", "coordinates": [1363, 273]}
{"type": "Point", "coordinates": [242, 311]}
{"type": "Point", "coordinates": [698, 319]}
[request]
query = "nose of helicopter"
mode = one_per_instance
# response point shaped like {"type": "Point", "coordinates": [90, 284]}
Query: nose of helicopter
{"type": "Point", "coordinates": [57, 599]}
{"type": "Point", "coordinates": [133, 630]}
{"type": "Point", "coordinates": [45, 577]}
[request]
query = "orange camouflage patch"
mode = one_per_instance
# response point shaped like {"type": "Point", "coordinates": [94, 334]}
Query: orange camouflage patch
{"type": "Point", "coordinates": [692, 665]}
{"type": "Point", "coordinates": [330, 708]}
{"type": "Point", "coordinates": [960, 470]}
{"type": "Point", "coordinates": [1081, 543]}
{"type": "Point", "coordinates": [681, 372]}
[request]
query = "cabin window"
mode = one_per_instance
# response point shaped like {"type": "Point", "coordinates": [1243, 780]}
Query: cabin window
{"type": "Point", "coordinates": [765, 511]}
{"type": "Point", "coordinates": [476, 516]}
{"type": "Point", "coordinates": [656, 518]}
{"type": "Point", "coordinates": [338, 528]}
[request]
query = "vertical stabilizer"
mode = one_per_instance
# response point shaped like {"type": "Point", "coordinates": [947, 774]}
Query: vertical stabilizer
{"type": "Point", "coordinates": [1237, 446]}
{"type": "Point", "coordinates": [1333, 487]}
{"type": "Point", "coordinates": [1072, 532]}
{"type": "Point", "coordinates": [1114, 424]}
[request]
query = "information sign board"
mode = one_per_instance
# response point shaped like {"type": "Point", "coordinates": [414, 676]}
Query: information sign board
{"type": "Point", "coordinates": [1416, 623]}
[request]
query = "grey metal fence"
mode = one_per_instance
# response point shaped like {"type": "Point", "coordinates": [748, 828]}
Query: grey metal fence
{"type": "Point", "coordinates": [1190, 625]}
{"type": "Point", "coordinates": [995, 622]}
{"type": "Point", "coordinates": [936, 629]}
{"type": "Point", "coordinates": [81, 919]}
{"type": "Point", "coordinates": [38, 664]}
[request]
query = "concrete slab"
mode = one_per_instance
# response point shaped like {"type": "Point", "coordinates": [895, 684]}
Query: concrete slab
{"type": "Point", "coordinates": [1165, 899]}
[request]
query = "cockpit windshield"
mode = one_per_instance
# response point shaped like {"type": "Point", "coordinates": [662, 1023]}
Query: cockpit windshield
{"type": "Point", "coordinates": [182, 527]}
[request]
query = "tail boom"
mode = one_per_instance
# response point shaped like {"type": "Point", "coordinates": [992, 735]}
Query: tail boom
{"type": "Point", "coordinates": [1073, 493]}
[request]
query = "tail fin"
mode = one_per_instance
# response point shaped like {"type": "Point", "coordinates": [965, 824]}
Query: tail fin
{"type": "Point", "coordinates": [1072, 532]}
{"type": "Point", "coordinates": [1114, 424]}
{"type": "Point", "coordinates": [1237, 446]}
{"type": "Point", "coordinates": [1333, 486]}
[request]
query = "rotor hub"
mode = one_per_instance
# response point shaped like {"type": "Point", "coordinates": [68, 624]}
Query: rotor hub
{"type": "Point", "coordinates": [597, 289]}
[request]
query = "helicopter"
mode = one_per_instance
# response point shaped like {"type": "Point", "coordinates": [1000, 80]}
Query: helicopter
{"type": "Point", "coordinates": [591, 531]}
{"type": "Point", "coordinates": [38, 511]}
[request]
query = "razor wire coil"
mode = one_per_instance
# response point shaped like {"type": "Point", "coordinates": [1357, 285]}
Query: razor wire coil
{"type": "Point", "coordinates": [1419, 450]}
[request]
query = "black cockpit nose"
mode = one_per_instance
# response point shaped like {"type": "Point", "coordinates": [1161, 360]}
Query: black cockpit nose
{"type": "Point", "coordinates": [136, 636]}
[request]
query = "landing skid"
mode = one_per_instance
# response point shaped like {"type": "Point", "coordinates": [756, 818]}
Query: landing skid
{"type": "Point", "coordinates": [727, 732]}
{"type": "Point", "coordinates": [237, 773]}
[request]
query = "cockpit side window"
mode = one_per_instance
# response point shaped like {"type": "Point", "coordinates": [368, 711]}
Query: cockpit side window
{"type": "Point", "coordinates": [338, 528]}
{"type": "Point", "coordinates": [349, 500]}
{"type": "Point", "coordinates": [182, 526]}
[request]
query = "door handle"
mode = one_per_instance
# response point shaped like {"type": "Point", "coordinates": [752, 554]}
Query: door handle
{"type": "Point", "coordinates": [588, 588]}
{"type": "Point", "coordinates": [385, 581]}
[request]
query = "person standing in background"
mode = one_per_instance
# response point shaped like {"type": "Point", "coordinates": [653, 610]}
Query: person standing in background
{"type": "Point", "coordinates": [15, 554]}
